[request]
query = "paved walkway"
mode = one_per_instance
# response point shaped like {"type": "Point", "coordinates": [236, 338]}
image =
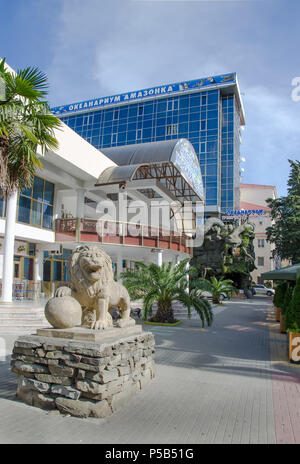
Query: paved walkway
{"type": "Point", "coordinates": [230, 383]}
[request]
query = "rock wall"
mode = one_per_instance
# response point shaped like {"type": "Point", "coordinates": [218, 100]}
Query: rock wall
{"type": "Point", "coordinates": [82, 379]}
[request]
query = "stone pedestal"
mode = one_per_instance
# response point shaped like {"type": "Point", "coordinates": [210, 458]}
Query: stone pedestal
{"type": "Point", "coordinates": [80, 375]}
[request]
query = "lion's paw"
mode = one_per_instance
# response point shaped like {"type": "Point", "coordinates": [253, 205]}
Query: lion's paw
{"type": "Point", "coordinates": [99, 325]}
{"type": "Point", "coordinates": [63, 291]}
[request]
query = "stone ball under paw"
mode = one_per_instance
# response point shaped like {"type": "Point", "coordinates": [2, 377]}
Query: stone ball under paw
{"type": "Point", "coordinates": [63, 312]}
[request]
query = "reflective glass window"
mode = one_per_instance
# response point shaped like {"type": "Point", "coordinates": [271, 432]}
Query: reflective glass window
{"type": "Point", "coordinates": [36, 213]}
{"type": "Point", "coordinates": [47, 216]}
{"type": "Point", "coordinates": [38, 188]}
{"type": "Point", "coordinates": [24, 209]}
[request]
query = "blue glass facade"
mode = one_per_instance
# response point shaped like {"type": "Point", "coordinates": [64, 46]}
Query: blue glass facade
{"type": "Point", "coordinates": [209, 119]}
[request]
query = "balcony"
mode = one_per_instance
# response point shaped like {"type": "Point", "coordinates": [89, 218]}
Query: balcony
{"type": "Point", "coordinates": [107, 232]}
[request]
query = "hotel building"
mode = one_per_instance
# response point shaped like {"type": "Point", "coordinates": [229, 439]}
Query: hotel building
{"type": "Point", "coordinates": [208, 112]}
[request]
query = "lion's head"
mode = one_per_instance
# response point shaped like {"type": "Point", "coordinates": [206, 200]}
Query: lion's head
{"type": "Point", "coordinates": [90, 269]}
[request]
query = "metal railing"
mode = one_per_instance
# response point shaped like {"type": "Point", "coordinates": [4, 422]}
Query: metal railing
{"type": "Point", "coordinates": [119, 233]}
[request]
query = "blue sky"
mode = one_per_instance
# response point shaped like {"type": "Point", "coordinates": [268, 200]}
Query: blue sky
{"type": "Point", "coordinates": [94, 48]}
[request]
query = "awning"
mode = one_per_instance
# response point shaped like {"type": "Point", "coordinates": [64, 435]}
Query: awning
{"type": "Point", "coordinates": [285, 273]}
{"type": "Point", "coordinates": [172, 162]}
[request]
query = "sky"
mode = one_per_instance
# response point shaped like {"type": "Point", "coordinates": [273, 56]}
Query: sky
{"type": "Point", "coordinates": [95, 48]}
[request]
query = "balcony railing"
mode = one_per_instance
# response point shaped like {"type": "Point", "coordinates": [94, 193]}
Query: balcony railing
{"type": "Point", "coordinates": [119, 233]}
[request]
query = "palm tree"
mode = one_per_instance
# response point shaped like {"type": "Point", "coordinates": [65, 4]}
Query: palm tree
{"type": "Point", "coordinates": [215, 287]}
{"type": "Point", "coordinates": [26, 125]}
{"type": "Point", "coordinates": [164, 285]}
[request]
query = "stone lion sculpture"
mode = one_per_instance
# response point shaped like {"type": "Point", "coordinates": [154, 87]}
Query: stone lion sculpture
{"type": "Point", "coordinates": [93, 286]}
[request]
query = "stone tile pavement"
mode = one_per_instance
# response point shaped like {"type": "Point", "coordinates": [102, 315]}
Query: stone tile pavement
{"type": "Point", "coordinates": [229, 383]}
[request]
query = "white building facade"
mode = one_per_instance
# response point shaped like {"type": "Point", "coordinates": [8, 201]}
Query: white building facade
{"type": "Point", "coordinates": [253, 197]}
{"type": "Point", "coordinates": [68, 202]}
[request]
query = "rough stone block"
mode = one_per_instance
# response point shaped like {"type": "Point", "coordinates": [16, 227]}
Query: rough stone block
{"type": "Point", "coordinates": [62, 371]}
{"type": "Point", "coordinates": [27, 344]}
{"type": "Point", "coordinates": [19, 367]}
{"type": "Point", "coordinates": [90, 387]}
{"type": "Point", "coordinates": [54, 379]}
{"type": "Point", "coordinates": [32, 384]}
{"type": "Point", "coordinates": [68, 392]}
{"type": "Point", "coordinates": [25, 351]}
{"type": "Point", "coordinates": [43, 401]}
{"type": "Point", "coordinates": [83, 408]}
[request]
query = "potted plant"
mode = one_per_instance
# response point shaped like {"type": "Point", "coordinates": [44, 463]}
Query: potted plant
{"type": "Point", "coordinates": [292, 322]}
{"type": "Point", "coordinates": [278, 299]}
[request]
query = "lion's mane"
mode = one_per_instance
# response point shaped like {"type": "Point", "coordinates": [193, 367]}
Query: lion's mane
{"type": "Point", "coordinates": [79, 283]}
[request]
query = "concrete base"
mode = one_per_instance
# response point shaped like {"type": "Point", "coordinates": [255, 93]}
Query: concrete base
{"type": "Point", "coordinates": [79, 377]}
{"type": "Point", "coordinates": [90, 335]}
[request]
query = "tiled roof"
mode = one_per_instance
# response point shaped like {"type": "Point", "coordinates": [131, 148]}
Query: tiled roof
{"type": "Point", "coordinates": [246, 205]}
{"type": "Point", "coordinates": [256, 186]}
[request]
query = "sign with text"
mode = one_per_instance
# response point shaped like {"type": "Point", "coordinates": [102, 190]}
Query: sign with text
{"type": "Point", "coordinates": [145, 93]}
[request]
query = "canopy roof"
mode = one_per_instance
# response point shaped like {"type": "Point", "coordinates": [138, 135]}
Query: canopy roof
{"type": "Point", "coordinates": [172, 162]}
{"type": "Point", "coordinates": [285, 273]}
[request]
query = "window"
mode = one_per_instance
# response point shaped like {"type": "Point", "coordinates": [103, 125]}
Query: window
{"type": "Point", "coordinates": [260, 261]}
{"type": "Point", "coordinates": [261, 242]}
{"type": "Point", "coordinates": [36, 204]}
{"type": "Point", "coordinates": [56, 267]}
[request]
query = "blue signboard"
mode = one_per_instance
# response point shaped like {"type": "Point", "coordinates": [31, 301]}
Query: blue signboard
{"type": "Point", "coordinates": [245, 212]}
{"type": "Point", "coordinates": [145, 93]}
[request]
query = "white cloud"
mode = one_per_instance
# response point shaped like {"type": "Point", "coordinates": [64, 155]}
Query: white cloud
{"type": "Point", "coordinates": [104, 48]}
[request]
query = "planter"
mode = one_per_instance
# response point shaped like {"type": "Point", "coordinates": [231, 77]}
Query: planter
{"type": "Point", "coordinates": [294, 347]}
{"type": "Point", "coordinates": [167, 324]}
{"type": "Point", "coordinates": [277, 314]}
{"type": "Point", "coordinates": [282, 324]}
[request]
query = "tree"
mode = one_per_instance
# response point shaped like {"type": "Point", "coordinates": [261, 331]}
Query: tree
{"type": "Point", "coordinates": [26, 125]}
{"type": "Point", "coordinates": [216, 287]}
{"type": "Point", "coordinates": [285, 212]}
{"type": "Point", "coordinates": [164, 285]}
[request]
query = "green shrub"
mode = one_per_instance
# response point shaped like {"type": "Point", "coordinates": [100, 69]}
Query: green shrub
{"type": "Point", "coordinates": [292, 317]}
{"type": "Point", "coordinates": [280, 290]}
{"type": "Point", "coordinates": [287, 299]}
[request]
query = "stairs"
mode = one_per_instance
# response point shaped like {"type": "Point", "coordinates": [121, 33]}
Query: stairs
{"type": "Point", "coordinates": [25, 316]}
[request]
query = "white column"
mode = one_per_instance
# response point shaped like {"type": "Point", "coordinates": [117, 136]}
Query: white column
{"type": "Point", "coordinates": [80, 203]}
{"type": "Point", "coordinates": [9, 241]}
{"type": "Point", "coordinates": [187, 278]}
{"type": "Point", "coordinates": [159, 258]}
{"type": "Point", "coordinates": [39, 265]}
{"type": "Point", "coordinates": [119, 266]}
{"type": "Point", "coordinates": [57, 205]}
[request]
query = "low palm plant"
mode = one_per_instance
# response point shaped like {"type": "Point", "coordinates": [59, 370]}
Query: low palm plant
{"type": "Point", "coordinates": [216, 287]}
{"type": "Point", "coordinates": [164, 285]}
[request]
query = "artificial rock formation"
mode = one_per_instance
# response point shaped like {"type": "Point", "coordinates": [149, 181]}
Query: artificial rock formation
{"type": "Point", "coordinates": [227, 250]}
